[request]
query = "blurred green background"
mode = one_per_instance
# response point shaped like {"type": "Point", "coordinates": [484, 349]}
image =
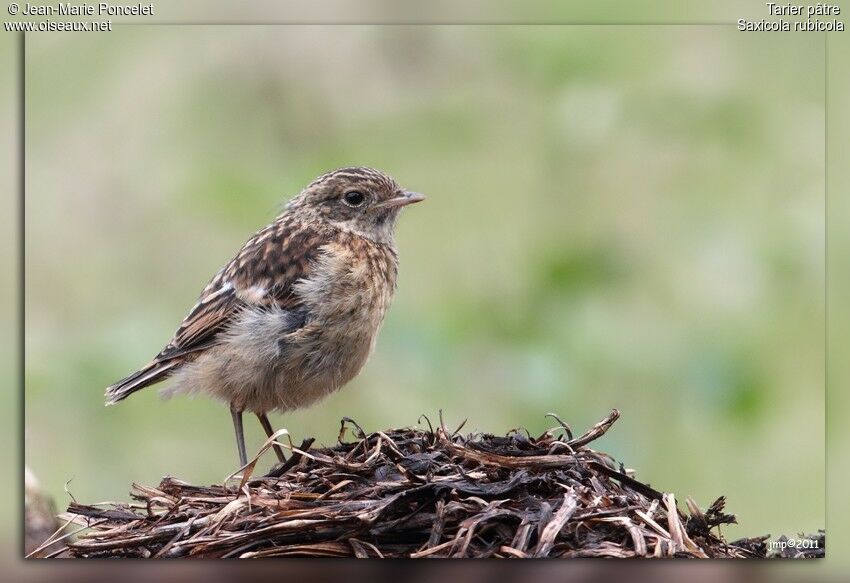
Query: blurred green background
{"type": "Point", "coordinates": [617, 216]}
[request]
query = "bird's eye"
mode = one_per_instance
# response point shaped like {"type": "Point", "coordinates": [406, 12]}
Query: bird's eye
{"type": "Point", "coordinates": [354, 198]}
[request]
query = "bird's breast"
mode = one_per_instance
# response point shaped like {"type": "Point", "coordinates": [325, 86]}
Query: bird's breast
{"type": "Point", "coordinates": [350, 288]}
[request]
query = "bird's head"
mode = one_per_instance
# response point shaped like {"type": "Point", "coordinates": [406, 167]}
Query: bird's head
{"type": "Point", "coordinates": [360, 200]}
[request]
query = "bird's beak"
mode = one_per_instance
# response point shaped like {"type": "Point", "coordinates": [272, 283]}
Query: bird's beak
{"type": "Point", "coordinates": [403, 200]}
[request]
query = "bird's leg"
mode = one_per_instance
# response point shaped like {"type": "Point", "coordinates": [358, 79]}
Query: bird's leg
{"type": "Point", "coordinates": [267, 427]}
{"type": "Point", "coordinates": [240, 435]}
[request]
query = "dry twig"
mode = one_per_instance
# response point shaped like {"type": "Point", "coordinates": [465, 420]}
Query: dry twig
{"type": "Point", "coordinates": [415, 493]}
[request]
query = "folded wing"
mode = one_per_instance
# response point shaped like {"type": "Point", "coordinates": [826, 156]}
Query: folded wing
{"type": "Point", "coordinates": [261, 275]}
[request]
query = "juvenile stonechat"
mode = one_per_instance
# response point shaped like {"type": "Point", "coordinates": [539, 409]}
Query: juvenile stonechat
{"type": "Point", "coordinates": [295, 314]}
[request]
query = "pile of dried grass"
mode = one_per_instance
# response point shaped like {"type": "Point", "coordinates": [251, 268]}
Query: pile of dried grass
{"type": "Point", "coordinates": [416, 493]}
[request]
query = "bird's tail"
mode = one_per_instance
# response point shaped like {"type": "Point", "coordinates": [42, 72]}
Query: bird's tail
{"type": "Point", "coordinates": [148, 375]}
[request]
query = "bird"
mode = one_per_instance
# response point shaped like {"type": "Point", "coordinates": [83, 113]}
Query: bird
{"type": "Point", "coordinates": [295, 314]}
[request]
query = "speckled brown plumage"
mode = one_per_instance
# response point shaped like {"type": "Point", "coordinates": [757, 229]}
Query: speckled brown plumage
{"type": "Point", "coordinates": [295, 314]}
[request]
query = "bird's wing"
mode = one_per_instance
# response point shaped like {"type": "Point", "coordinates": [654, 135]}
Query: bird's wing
{"type": "Point", "coordinates": [261, 275]}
